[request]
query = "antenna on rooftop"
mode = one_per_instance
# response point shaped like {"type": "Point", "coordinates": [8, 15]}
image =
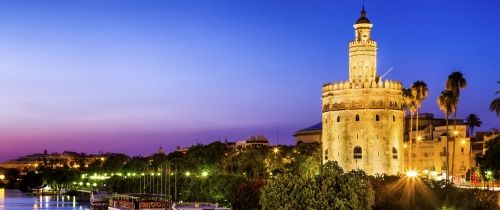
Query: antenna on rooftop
{"type": "Point", "coordinates": [387, 72]}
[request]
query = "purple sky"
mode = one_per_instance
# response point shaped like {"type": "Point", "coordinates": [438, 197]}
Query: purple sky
{"type": "Point", "coordinates": [128, 76]}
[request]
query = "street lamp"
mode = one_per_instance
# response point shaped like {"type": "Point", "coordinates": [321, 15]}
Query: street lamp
{"type": "Point", "coordinates": [411, 173]}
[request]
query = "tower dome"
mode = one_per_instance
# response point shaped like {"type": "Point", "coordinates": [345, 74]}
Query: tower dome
{"type": "Point", "coordinates": [363, 18]}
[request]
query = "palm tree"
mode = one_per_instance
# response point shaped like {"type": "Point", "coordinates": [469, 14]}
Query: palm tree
{"type": "Point", "coordinates": [420, 92]}
{"type": "Point", "coordinates": [472, 121]}
{"type": "Point", "coordinates": [455, 83]}
{"type": "Point", "coordinates": [409, 103]}
{"type": "Point", "coordinates": [445, 102]}
{"type": "Point", "coordinates": [495, 104]}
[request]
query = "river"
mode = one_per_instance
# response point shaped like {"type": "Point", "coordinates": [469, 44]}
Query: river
{"type": "Point", "coordinates": [17, 200]}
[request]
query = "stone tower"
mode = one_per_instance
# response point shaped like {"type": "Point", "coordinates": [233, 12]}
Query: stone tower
{"type": "Point", "coordinates": [363, 116]}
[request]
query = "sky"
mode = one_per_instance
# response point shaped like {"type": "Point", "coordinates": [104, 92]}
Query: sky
{"type": "Point", "coordinates": [130, 76]}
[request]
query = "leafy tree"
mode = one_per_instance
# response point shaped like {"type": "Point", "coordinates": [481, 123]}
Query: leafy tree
{"type": "Point", "coordinates": [246, 197]}
{"type": "Point", "coordinates": [489, 161]}
{"type": "Point", "coordinates": [330, 189]}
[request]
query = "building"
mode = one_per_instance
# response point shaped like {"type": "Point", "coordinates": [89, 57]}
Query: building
{"type": "Point", "coordinates": [53, 160]}
{"type": "Point", "coordinates": [311, 134]}
{"type": "Point", "coordinates": [429, 156]}
{"type": "Point", "coordinates": [428, 147]}
{"type": "Point", "coordinates": [363, 117]}
{"type": "Point", "coordinates": [253, 141]}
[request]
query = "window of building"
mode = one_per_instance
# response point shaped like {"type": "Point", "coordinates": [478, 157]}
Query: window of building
{"type": "Point", "coordinates": [338, 118]}
{"type": "Point", "coordinates": [377, 118]}
{"type": "Point", "coordinates": [326, 154]}
{"type": "Point", "coordinates": [358, 152]}
{"type": "Point", "coordinates": [393, 118]}
{"type": "Point", "coordinates": [462, 150]}
{"type": "Point", "coordinates": [357, 117]}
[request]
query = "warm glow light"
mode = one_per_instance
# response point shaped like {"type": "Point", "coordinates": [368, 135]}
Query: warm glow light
{"type": "Point", "coordinates": [411, 173]}
{"type": "Point", "coordinates": [425, 171]}
{"type": "Point", "coordinates": [463, 141]}
{"type": "Point", "coordinates": [434, 173]}
{"type": "Point", "coordinates": [204, 173]}
{"type": "Point", "coordinates": [276, 150]}
{"type": "Point", "coordinates": [419, 138]}
{"type": "Point", "coordinates": [455, 133]}
{"type": "Point", "coordinates": [102, 159]}
{"type": "Point", "coordinates": [404, 145]}
{"type": "Point", "coordinates": [187, 173]}
{"type": "Point", "coordinates": [2, 177]}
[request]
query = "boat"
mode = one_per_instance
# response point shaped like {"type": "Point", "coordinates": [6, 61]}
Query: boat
{"type": "Point", "coordinates": [197, 206]}
{"type": "Point", "coordinates": [137, 201]}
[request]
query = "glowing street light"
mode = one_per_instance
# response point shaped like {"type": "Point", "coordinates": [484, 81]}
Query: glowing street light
{"type": "Point", "coordinates": [463, 142]}
{"type": "Point", "coordinates": [411, 173]}
{"type": "Point", "coordinates": [455, 132]}
{"type": "Point", "coordinates": [187, 173]}
{"type": "Point", "coordinates": [276, 150]}
{"type": "Point", "coordinates": [204, 174]}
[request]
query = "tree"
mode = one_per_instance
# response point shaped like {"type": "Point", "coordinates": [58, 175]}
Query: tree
{"type": "Point", "coordinates": [495, 104]}
{"type": "Point", "coordinates": [410, 105]}
{"type": "Point", "coordinates": [472, 121]}
{"type": "Point", "coordinates": [445, 102]}
{"type": "Point", "coordinates": [330, 189]}
{"type": "Point", "coordinates": [455, 83]}
{"type": "Point", "coordinates": [489, 161]}
{"type": "Point", "coordinates": [246, 197]}
{"type": "Point", "coordinates": [420, 92]}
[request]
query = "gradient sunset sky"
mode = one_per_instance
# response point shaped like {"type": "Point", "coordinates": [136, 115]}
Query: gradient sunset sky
{"type": "Point", "coordinates": [129, 76]}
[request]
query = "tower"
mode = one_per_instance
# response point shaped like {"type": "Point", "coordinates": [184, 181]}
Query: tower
{"type": "Point", "coordinates": [363, 117]}
{"type": "Point", "coordinates": [362, 51]}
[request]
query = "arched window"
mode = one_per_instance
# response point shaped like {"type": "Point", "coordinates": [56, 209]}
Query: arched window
{"type": "Point", "coordinates": [338, 118]}
{"type": "Point", "coordinates": [357, 117]}
{"type": "Point", "coordinates": [393, 118]}
{"type": "Point", "coordinates": [326, 154]}
{"type": "Point", "coordinates": [394, 153]}
{"type": "Point", "coordinates": [377, 118]}
{"type": "Point", "coordinates": [358, 152]}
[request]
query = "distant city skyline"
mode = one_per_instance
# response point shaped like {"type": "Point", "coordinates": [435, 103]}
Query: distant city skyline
{"type": "Point", "coordinates": [129, 76]}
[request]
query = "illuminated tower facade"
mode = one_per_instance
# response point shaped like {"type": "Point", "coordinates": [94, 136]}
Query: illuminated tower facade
{"type": "Point", "coordinates": [363, 117]}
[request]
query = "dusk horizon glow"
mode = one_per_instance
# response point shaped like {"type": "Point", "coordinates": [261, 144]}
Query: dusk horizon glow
{"type": "Point", "coordinates": [130, 76]}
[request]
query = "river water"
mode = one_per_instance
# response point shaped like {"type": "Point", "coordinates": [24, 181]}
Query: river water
{"type": "Point", "coordinates": [17, 200]}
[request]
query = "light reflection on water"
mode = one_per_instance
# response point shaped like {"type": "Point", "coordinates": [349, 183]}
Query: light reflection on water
{"type": "Point", "coordinates": [15, 199]}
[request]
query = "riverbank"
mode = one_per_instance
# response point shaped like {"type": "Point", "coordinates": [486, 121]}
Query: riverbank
{"type": "Point", "coordinates": [15, 199]}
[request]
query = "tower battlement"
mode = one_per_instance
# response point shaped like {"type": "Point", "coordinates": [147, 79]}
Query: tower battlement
{"type": "Point", "coordinates": [386, 84]}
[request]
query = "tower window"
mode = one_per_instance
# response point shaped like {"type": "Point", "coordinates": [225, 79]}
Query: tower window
{"type": "Point", "coordinates": [358, 152]}
{"type": "Point", "coordinates": [326, 154]}
{"type": "Point", "coordinates": [338, 118]}
{"type": "Point", "coordinates": [394, 153]}
{"type": "Point", "coordinates": [377, 118]}
{"type": "Point", "coordinates": [357, 117]}
{"type": "Point", "coordinates": [393, 118]}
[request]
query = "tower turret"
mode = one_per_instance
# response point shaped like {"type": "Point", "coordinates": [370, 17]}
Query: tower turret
{"type": "Point", "coordinates": [362, 51]}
